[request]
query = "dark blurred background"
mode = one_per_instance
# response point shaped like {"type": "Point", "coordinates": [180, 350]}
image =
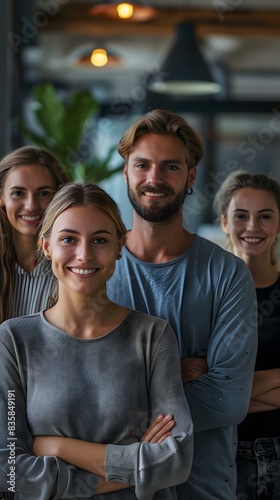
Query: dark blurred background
{"type": "Point", "coordinates": [48, 43]}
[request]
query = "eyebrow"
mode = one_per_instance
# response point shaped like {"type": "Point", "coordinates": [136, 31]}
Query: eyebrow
{"type": "Point", "coordinates": [259, 211]}
{"type": "Point", "coordinates": [168, 160]}
{"type": "Point", "coordinates": [25, 189]}
{"type": "Point", "coordinates": [72, 231]}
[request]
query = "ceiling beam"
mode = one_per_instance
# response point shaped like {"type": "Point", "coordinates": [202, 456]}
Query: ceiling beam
{"type": "Point", "coordinates": [75, 19]}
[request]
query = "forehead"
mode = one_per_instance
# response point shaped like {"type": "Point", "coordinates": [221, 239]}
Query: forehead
{"type": "Point", "coordinates": [253, 199]}
{"type": "Point", "coordinates": [84, 219]}
{"type": "Point", "coordinates": [161, 146]}
{"type": "Point", "coordinates": [30, 176]}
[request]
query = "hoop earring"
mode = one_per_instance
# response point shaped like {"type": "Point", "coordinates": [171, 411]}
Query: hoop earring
{"type": "Point", "coordinates": [189, 191]}
{"type": "Point", "coordinates": [48, 257]}
{"type": "Point", "coordinates": [119, 256]}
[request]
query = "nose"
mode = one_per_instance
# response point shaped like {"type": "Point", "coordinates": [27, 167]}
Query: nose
{"type": "Point", "coordinates": [85, 252]}
{"type": "Point", "coordinates": [252, 224]}
{"type": "Point", "coordinates": [31, 202]}
{"type": "Point", "coordinates": [154, 175]}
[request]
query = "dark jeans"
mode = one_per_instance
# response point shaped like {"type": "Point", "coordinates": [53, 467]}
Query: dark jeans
{"type": "Point", "coordinates": [258, 469]}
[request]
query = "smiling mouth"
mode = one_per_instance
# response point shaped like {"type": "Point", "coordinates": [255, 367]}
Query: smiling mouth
{"type": "Point", "coordinates": [30, 218]}
{"type": "Point", "coordinates": [83, 272]}
{"type": "Point", "coordinates": [253, 240]}
{"type": "Point", "coordinates": [153, 194]}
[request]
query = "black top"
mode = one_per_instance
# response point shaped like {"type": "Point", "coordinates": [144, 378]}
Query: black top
{"type": "Point", "coordinates": [267, 423]}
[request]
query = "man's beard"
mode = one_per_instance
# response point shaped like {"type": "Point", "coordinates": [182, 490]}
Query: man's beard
{"type": "Point", "coordinates": [156, 213]}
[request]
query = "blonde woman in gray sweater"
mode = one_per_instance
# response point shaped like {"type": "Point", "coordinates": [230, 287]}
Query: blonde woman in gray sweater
{"type": "Point", "coordinates": [94, 376]}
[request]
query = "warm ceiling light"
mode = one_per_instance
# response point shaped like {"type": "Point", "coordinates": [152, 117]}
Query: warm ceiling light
{"type": "Point", "coordinates": [112, 8]}
{"type": "Point", "coordinates": [184, 72]}
{"type": "Point", "coordinates": [125, 10]}
{"type": "Point", "coordinates": [99, 58]}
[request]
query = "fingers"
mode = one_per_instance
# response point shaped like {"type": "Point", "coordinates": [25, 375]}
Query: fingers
{"type": "Point", "coordinates": [159, 429]}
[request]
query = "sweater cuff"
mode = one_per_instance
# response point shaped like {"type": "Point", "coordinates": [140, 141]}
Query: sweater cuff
{"type": "Point", "coordinates": [81, 484]}
{"type": "Point", "coordinates": [120, 463]}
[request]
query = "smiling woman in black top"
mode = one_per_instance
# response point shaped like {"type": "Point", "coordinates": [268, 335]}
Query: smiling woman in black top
{"type": "Point", "coordinates": [249, 211]}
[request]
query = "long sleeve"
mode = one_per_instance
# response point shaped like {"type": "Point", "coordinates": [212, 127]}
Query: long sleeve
{"type": "Point", "coordinates": [152, 467]}
{"type": "Point", "coordinates": [36, 478]}
{"type": "Point", "coordinates": [221, 396]}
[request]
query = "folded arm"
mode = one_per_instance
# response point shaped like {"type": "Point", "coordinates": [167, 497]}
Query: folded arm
{"type": "Point", "coordinates": [220, 396]}
{"type": "Point", "coordinates": [192, 368]}
{"type": "Point", "coordinates": [267, 401]}
{"type": "Point", "coordinates": [91, 456]}
{"type": "Point", "coordinates": [264, 381]}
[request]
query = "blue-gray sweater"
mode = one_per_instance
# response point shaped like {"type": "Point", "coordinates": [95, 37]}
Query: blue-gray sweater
{"type": "Point", "coordinates": [208, 297]}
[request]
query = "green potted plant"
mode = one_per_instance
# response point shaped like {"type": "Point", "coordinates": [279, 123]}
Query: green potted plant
{"type": "Point", "coordinates": [61, 126]}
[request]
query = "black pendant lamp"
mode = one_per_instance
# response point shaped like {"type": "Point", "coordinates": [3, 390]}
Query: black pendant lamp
{"type": "Point", "coordinates": [185, 71]}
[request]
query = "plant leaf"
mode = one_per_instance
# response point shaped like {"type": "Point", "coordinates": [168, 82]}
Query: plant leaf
{"type": "Point", "coordinates": [49, 111]}
{"type": "Point", "coordinates": [78, 109]}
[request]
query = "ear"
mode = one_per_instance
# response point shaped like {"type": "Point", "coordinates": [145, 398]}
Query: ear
{"type": "Point", "coordinates": [191, 177]}
{"type": "Point", "coordinates": [224, 224]}
{"type": "Point", "coordinates": [45, 246]}
{"type": "Point", "coordinates": [2, 201]}
{"type": "Point", "coordinates": [125, 173]}
{"type": "Point", "coordinates": [121, 243]}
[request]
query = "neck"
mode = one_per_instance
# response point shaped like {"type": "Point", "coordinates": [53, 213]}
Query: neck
{"type": "Point", "coordinates": [264, 274]}
{"type": "Point", "coordinates": [25, 251]}
{"type": "Point", "coordinates": [158, 242]}
{"type": "Point", "coordinates": [84, 315]}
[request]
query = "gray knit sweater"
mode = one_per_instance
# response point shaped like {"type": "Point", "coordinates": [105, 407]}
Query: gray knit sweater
{"type": "Point", "coordinates": [103, 390]}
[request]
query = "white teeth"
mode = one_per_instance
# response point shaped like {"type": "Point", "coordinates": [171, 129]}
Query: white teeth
{"type": "Point", "coordinates": [147, 193]}
{"type": "Point", "coordinates": [252, 240]}
{"type": "Point", "coordinates": [82, 271]}
{"type": "Point", "coordinates": [27, 217]}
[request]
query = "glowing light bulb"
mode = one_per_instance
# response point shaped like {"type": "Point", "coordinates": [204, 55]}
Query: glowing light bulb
{"type": "Point", "coordinates": [125, 10]}
{"type": "Point", "coordinates": [99, 58]}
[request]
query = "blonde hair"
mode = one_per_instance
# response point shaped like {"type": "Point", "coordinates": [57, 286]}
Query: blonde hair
{"type": "Point", "coordinates": [78, 194]}
{"type": "Point", "coordinates": [240, 180]}
{"type": "Point", "coordinates": [163, 122]}
{"type": "Point", "coordinates": [27, 155]}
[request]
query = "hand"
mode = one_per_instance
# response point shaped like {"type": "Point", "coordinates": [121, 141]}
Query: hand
{"type": "Point", "coordinates": [193, 368]}
{"type": "Point", "coordinates": [159, 429]}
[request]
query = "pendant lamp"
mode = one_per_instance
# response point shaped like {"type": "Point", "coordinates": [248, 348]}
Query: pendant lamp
{"type": "Point", "coordinates": [185, 71]}
{"type": "Point", "coordinates": [136, 10]}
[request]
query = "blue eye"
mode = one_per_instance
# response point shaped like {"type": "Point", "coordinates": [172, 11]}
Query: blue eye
{"type": "Point", "coordinates": [43, 194]}
{"type": "Point", "coordinates": [171, 167]}
{"type": "Point", "coordinates": [68, 239]}
{"type": "Point", "coordinates": [241, 216]}
{"type": "Point", "coordinates": [265, 216]}
{"type": "Point", "coordinates": [99, 241]}
{"type": "Point", "coordinates": [18, 193]}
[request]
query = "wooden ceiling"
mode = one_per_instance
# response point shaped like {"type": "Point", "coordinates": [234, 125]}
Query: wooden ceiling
{"type": "Point", "coordinates": [75, 19]}
{"type": "Point", "coordinates": [245, 40]}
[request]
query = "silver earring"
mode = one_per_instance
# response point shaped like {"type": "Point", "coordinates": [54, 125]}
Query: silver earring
{"type": "Point", "coordinates": [119, 256]}
{"type": "Point", "coordinates": [48, 257]}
